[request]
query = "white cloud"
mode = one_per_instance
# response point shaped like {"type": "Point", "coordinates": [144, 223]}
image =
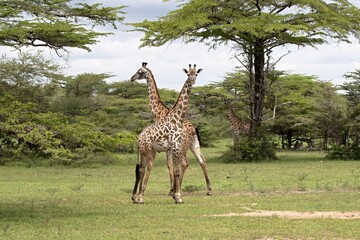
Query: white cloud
{"type": "Point", "coordinates": [123, 58]}
{"type": "Point", "coordinates": [328, 62]}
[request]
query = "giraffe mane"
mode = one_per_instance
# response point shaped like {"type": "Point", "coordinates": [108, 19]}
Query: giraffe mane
{"type": "Point", "coordinates": [156, 88]}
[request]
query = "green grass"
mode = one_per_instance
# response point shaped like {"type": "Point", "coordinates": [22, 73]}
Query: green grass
{"type": "Point", "coordinates": [94, 203]}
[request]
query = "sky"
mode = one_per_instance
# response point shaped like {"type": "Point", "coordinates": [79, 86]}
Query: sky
{"type": "Point", "coordinates": [119, 54]}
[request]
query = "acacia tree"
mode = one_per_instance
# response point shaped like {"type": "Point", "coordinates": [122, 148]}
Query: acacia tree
{"type": "Point", "coordinates": [26, 127]}
{"type": "Point", "coordinates": [55, 24]}
{"type": "Point", "coordinates": [294, 121]}
{"type": "Point", "coordinates": [254, 28]}
{"type": "Point", "coordinates": [330, 115]}
{"type": "Point", "coordinates": [352, 89]}
{"type": "Point", "coordinates": [28, 77]}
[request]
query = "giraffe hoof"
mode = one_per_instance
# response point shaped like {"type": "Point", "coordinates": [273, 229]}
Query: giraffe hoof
{"type": "Point", "coordinates": [178, 200]}
{"type": "Point", "coordinates": [209, 194]}
{"type": "Point", "coordinates": [135, 201]}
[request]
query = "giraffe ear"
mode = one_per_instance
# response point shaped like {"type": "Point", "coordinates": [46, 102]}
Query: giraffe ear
{"type": "Point", "coordinates": [199, 70]}
{"type": "Point", "coordinates": [144, 64]}
{"type": "Point", "coordinates": [186, 71]}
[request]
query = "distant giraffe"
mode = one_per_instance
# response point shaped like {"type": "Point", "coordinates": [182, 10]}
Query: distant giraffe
{"type": "Point", "coordinates": [238, 126]}
{"type": "Point", "coordinates": [159, 111]}
{"type": "Point", "coordinates": [166, 134]}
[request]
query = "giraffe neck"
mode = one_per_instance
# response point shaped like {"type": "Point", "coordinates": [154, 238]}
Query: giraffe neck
{"type": "Point", "coordinates": [232, 117]}
{"type": "Point", "coordinates": [180, 107]}
{"type": "Point", "coordinates": [158, 108]}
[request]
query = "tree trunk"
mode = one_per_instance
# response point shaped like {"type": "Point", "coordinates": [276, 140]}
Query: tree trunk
{"type": "Point", "coordinates": [283, 141]}
{"type": "Point", "coordinates": [257, 88]}
{"type": "Point", "coordinates": [289, 138]}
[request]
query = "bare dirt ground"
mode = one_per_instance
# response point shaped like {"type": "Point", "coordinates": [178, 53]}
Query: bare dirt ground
{"type": "Point", "coordinates": [294, 214]}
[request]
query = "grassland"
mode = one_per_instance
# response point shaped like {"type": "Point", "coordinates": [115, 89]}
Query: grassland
{"type": "Point", "coordinates": [94, 202]}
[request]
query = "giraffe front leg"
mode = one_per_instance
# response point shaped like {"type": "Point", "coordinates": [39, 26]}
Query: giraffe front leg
{"type": "Point", "coordinates": [177, 179]}
{"type": "Point", "coordinates": [147, 173]}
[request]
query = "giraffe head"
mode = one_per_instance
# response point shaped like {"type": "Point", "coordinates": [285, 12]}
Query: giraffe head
{"type": "Point", "coordinates": [142, 73]}
{"type": "Point", "coordinates": [192, 73]}
{"type": "Point", "coordinates": [227, 102]}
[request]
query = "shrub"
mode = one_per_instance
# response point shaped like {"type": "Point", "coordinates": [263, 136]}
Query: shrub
{"type": "Point", "coordinates": [25, 132]}
{"type": "Point", "coordinates": [251, 150]}
{"type": "Point", "coordinates": [344, 153]}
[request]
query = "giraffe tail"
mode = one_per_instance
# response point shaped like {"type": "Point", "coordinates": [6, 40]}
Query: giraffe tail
{"type": "Point", "coordinates": [198, 135]}
{"type": "Point", "coordinates": [138, 155]}
{"type": "Point", "coordinates": [137, 172]}
{"type": "Point", "coordinates": [137, 169]}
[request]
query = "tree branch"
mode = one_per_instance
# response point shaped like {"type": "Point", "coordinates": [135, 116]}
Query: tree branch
{"type": "Point", "coordinates": [258, 6]}
{"type": "Point", "coordinates": [273, 65]}
{"type": "Point", "coordinates": [243, 64]}
{"type": "Point", "coordinates": [281, 8]}
{"type": "Point", "coordinates": [274, 110]}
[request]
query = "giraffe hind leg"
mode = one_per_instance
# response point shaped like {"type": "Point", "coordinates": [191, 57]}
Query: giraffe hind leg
{"type": "Point", "coordinates": [147, 160]}
{"type": "Point", "coordinates": [147, 174]}
{"type": "Point", "coordinates": [195, 149]}
{"type": "Point", "coordinates": [138, 189]}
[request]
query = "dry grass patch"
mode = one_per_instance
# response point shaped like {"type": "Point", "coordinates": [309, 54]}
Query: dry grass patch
{"type": "Point", "coordinates": [293, 214]}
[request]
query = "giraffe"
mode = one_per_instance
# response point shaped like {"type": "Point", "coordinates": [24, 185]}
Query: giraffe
{"type": "Point", "coordinates": [159, 111]}
{"type": "Point", "coordinates": [238, 126]}
{"type": "Point", "coordinates": [164, 135]}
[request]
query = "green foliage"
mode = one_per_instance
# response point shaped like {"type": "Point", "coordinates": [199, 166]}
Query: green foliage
{"type": "Point", "coordinates": [295, 96]}
{"type": "Point", "coordinates": [344, 153]}
{"type": "Point", "coordinates": [29, 77]}
{"type": "Point", "coordinates": [276, 22]}
{"type": "Point", "coordinates": [85, 85]}
{"type": "Point", "coordinates": [54, 24]}
{"type": "Point", "coordinates": [70, 105]}
{"type": "Point", "coordinates": [330, 115]}
{"type": "Point", "coordinates": [251, 150]}
{"type": "Point", "coordinates": [352, 87]}
{"type": "Point", "coordinates": [25, 132]}
{"type": "Point", "coordinates": [68, 119]}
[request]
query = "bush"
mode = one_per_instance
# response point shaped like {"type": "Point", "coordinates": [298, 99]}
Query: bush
{"type": "Point", "coordinates": [24, 132]}
{"type": "Point", "coordinates": [344, 153]}
{"type": "Point", "coordinates": [251, 150]}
